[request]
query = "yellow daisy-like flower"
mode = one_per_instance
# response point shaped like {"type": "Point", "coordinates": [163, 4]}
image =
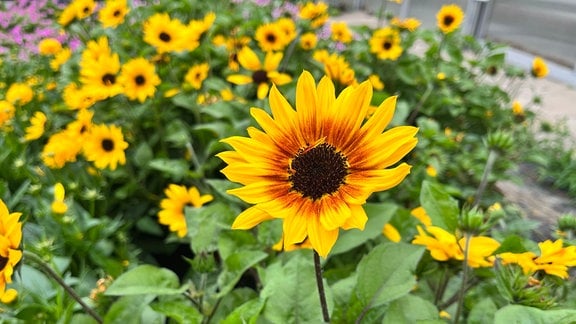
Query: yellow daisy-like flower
{"type": "Point", "coordinates": [100, 76]}
{"type": "Point", "coordinates": [391, 233]}
{"type": "Point", "coordinates": [84, 8]}
{"type": "Point", "coordinates": [449, 18]}
{"type": "Point", "coordinates": [197, 74]}
{"type": "Point", "coordinates": [431, 171]}
{"type": "Point", "coordinates": [194, 30]}
{"type": "Point", "coordinates": [58, 205]}
{"type": "Point", "coordinates": [517, 109]}
{"type": "Point", "coordinates": [315, 167]}
{"type": "Point", "coordinates": [49, 46]}
{"type": "Point", "coordinates": [62, 147]}
{"type": "Point", "coordinates": [95, 49]}
{"type": "Point", "coordinates": [68, 15]}
{"type": "Point", "coordinates": [308, 41]}
{"type": "Point", "coordinates": [36, 128]}
{"type": "Point", "coordinates": [105, 146]}
{"type": "Point", "coordinates": [113, 13]}
{"type": "Point", "coordinates": [317, 13]}
{"type": "Point", "coordinates": [288, 26]}
{"type": "Point", "coordinates": [271, 37]}
{"type": "Point", "coordinates": [262, 74]}
{"type": "Point", "coordinates": [385, 43]}
{"type": "Point", "coordinates": [164, 33]}
{"type": "Point", "coordinates": [420, 214]}
{"type": "Point", "coordinates": [60, 58]}
{"type": "Point", "coordinates": [410, 24]}
{"type": "Point", "coordinates": [10, 253]}
{"type": "Point", "coordinates": [377, 84]}
{"type": "Point", "coordinates": [19, 94]}
{"type": "Point", "coordinates": [79, 98]}
{"type": "Point", "coordinates": [139, 79]}
{"type": "Point", "coordinates": [539, 67]}
{"type": "Point", "coordinates": [178, 197]}
{"type": "Point", "coordinates": [6, 112]}
{"type": "Point", "coordinates": [340, 32]}
{"type": "Point", "coordinates": [338, 69]}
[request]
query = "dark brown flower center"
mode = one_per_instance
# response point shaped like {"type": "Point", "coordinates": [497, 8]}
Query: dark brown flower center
{"type": "Point", "coordinates": [86, 10]}
{"type": "Point", "coordinates": [164, 37]}
{"type": "Point", "coordinates": [116, 13]}
{"type": "Point", "coordinates": [3, 262]}
{"type": "Point", "coordinates": [448, 20]}
{"type": "Point", "coordinates": [140, 80]}
{"type": "Point", "coordinates": [108, 145]}
{"type": "Point", "coordinates": [271, 38]}
{"type": "Point", "coordinates": [108, 79]}
{"type": "Point", "coordinates": [387, 45]}
{"type": "Point", "coordinates": [260, 76]}
{"type": "Point", "coordinates": [318, 171]}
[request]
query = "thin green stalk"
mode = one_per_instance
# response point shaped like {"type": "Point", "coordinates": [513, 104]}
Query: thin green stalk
{"type": "Point", "coordinates": [464, 280]}
{"type": "Point", "coordinates": [412, 118]}
{"type": "Point", "coordinates": [441, 288]}
{"type": "Point", "coordinates": [492, 155]}
{"type": "Point", "coordinates": [320, 283]}
{"type": "Point", "coordinates": [45, 267]}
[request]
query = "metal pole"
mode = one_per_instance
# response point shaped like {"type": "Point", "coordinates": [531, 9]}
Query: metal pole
{"type": "Point", "coordinates": [404, 9]}
{"type": "Point", "coordinates": [477, 14]}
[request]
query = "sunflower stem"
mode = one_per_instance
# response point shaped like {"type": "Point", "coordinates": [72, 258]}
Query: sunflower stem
{"type": "Point", "coordinates": [462, 290]}
{"type": "Point", "coordinates": [45, 267]}
{"type": "Point", "coordinates": [320, 283]}
{"type": "Point", "coordinates": [492, 155]}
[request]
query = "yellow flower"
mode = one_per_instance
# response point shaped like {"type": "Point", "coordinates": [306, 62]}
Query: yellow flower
{"type": "Point", "coordinates": [164, 33]}
{"type": "Point", "coordinates": [197, 74]}
{"type": "Point", "coordinates": [391, 233]}
{"type": "Point", "coordinates": [314, 167]}
{"type": "Point", "coordinates": [178, 197]}
{"type": "Point", "coordinates": [36, 128]}
{"type": "Point", "coordinates": [113, 13]}
{"type": "Point", "coordinates": [10, 253]}
{"type": "Point", "coordinates": [441, 76]}
{"type": "Point", "coordinates": [271, 37]}
{"type": "Point", "coordinates": [539, 67]}
{"type": "Point", "coordinates": [341, 32]}
{"type": "Point", "coordinates": [517, 109]}
{"type": "Point", "coordinates": [95, 49]}
{"type": "Point", "coordinates": [9, 296]}
{"type": "Point", "coordinates": [555, 259]}
{"type": "Point", "coordinates": [79, 98]}
{"type": "Point", "coordinates": [288, 27]}
{"type": "Point", "coordinates": [410, 24]}
{"type": "Point", "coordinates": [431, 171]}
{"type": "Point", "coordinates": [480, 251]}
{"type": "Point", "coordinates": [449, 18]}
{"type": "Point", "coordinates": [377, 84]}
{"type": "Point", "coordinates": [84, 8]}
{"type": "Point", "coordinates": [19, 94]}
{"type": "Point", "coordinates": [444, 314]}
{"type": "Point", "coordinates": [262, 74]}
{"type": "Point", "coordinates": [58, 205]}
{"type": "Point", "coordinates": [385, 43]}
{"type": "Point", "coordinates": [308, 41]}
{"type": "Point", "coordinates": [420, 214]}
{"type": "Point", "coordinates": [60, 58]}
{"type": "Point", "coordinates": [6, 112]}
{"type": "Point", "coordinates": [338, 69]}
{"type": "Point", "coordinates": [49, 46]}
{"type": "Point", "coordinates": [100, 76]}
{"type": "Point", "coordinates": [317, 13]}
{"type": "Point", "coordinates": [139, 79]}
{"type": "Point", "coordinates": [105, 146]}
{"type": "Point", "coordinates": [67, 15]}
{"type": "Point", "coordinates": [62, 147]}
{"type": "Point", "coordinates": [171, 92]}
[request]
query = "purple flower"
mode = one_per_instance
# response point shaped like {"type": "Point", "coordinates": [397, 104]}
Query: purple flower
{"type": "Point", "coordinates": [16, 33]}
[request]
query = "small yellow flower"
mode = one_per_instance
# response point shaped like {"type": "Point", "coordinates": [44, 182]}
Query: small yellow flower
{"type": "Point", "coordinates": [113, 13]}
{"type": "Point", "coordinates": [58, 205]}
{"type": "Point", "coordinates": [444, 314]}
{"type": "Point", "coordinates": [49, 46]}
{"type": "Point", "coordinates": [517, 109]}
{"type": "Point", "coordinates": [197, 74]}
{"type": "Point", "coordinates": [60, 58]}
{"type": "Point", "coordinates": [36, 128]}
{"type": "Point", "coordinates": [391, 233]}
{"type": "Point", "coordinates": [6, 112]}
{"type": "Point", "coordinates": [377, 84]}
{"type": "Point", "coordinates": [308, 41]}
{"type": "Point", "coordinates": [19, 94]}
{"type": "Point", "coordinates": [449, 18]}
{"type": "Point", "coordinates": [539, 67]}
{"type": "Point", "coordinates": [420, 214]}
{"type": "Point", "coordinates": [341, 32]}
{"type": "Point", "coordinates": [172, 207]}
{"type": "Point", "coordinates": [431, 171]}
{"type": "Point", "coordinates": [441, 76]}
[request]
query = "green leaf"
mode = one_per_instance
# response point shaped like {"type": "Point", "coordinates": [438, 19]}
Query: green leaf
{"type": "Point", "coordinates": [410, 309]}
{"type": "Point", "coordinates": [525, 314]}
{"type": "Point", "coordinates": [129, 310]}
{"type": "Point", "coordinates": [178, 310]}
{"type": "Point", "coordinates": [387, 273]}
{"type": "Point", "coordinates": [439, 205]}
{"type": "Point", "coordinates": [291, 293]}
{"type": "Point", "coordinates": [512, 243]}
{"type": "Point", "coordinates": [246, 313]}
{"type": "Point", "coordinates": [483, 312]}
{"type": "Point", "coordinates": [143, 154]}
{"type": "Point", "coordinates": [234, 266]}
{"type": "Point", "coordinates": [205, 223]}
{"type": "Point", "coordinates": [176, 169]}
{"type": "Point", "coordinates": [145, 279]}
{"type": "Point", "coordinates": [378, 215]}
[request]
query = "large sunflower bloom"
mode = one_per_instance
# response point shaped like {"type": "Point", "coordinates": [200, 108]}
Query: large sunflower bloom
{"type": "Point", "coordinates": [139, 79]}
{"type": "Point", "coordinates": [271, 37]}
{"type": "Point", "coordinates": [113, 13]}
{"type": "Point", "coordinates": [100, 76]}
{"type": "Point", "coordinates": [449, 18]}
{"type": "Point", "coordinates": [10, 253]}
{"type": "Point", "coordinates": [105, 146]}
{"type": "Point", "coordinates": [262, 74]}
{"type": "Point", "coordinates": [164, 33]}
{"type": "Point", "coordinates": [385, 43]}
{"type": "Point", "coordinates": [178, 197]}
{"type": "Point", "coordinates": [315, 167]}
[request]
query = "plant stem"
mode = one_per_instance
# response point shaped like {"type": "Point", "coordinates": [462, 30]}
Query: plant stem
{"type": "Point", "coordinates": [320, 283]}
{"type": "Point", "coordinates": [412, 118]}
{"type": "Point", "coordinates": [492, 155]}
{"type": "Point", "coordinates": [464, 279]}
{"type": "Point", "coordinates": [45, 267]}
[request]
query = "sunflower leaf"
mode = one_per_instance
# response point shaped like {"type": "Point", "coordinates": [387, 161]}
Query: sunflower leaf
{"type": "Point", "coordinates": [387, 273]}
{"type": "Point", "coordinates": [440, 206]}
{"type": "Point", "coordinates": [410, 309]}
{"type": "Point", "coordinates": [145, 280]}
{"type": "Point", "coordinates": [526, 314]}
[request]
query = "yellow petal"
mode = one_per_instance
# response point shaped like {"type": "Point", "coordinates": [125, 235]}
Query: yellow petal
{"type": "Point", "coordinates": [262, 90]}
{"type": "Point", "coordinates": [357, 219]}
{"type": "Point", "coordinates": [272, 61]}
{"type": "Point", "coordinates": [321, 239]}
{"type": "Point", "coordinates": [306, 106]}
{"type": "Point", "coordinates": [295, 228]}
{"type": "Point", "coordinates": [261, 191]}
{"type": "Point", "coordinates": [333, 213]}
{"type": "Point", "coordinates": [250, 218]}
{"type": "Point", "coordinates": [239, 79]}
{"type": "Point", "coordinates": [381, 118]}
{"type": "Point", "coordinates": [248, 59]}
{"type": "Point", "coordinates": [379, 180]}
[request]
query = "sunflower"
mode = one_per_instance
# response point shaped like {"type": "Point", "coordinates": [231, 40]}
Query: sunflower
{"type": "Point", "coordinates": [10, 253]}
{"type": "Point", "coordinates": [6, 112]}
{"type": "Point", "coordinates": [49, 46]}
{"type": "Point", "coordinates": [385, 43]}
{"type": "Point", "coordinates": [197, 74]}
{"type": "Point", "coordinates": [95, 49]}
{"type": "Point", "coordinates": [262, 74]}
{"type": "Point", "coordinates": [316, 13]}
{"type": "Point", "coordinates": [340, 32]}
{"type": "Point", "coordinates": [449, 18]}
{"type": "Point", "coordinates": [100, 76]}
{"type": "Point", "coordinates": [139, 79]}
{"type": "Point", "coordinates": [308, 41]}
{"type": "Point", "coordinates": [60, 58]}
{"type": "Point", "coordinates": [539, 67]}
{"type": "Point", "coordinates": [113, 13]}
{"type": "Point", "coordinates": [19, 93]}
{"type": "Point", "coordinates": [105, 146]}
{"type": "Point", "coordinates": [337, 69]}
{"type": "Point", "coordinates": [410, 24]}
{"type": "Point", "coordinates": [79, 98]}
{"type": "Point", "coordinates": [62, 147]}
{"type": "Point", "coordinates": [58, 205]}
{"type": "Point", "coordinates": [178, 197]}
{"type": "Point", "coordinates": [84, 8]}
{"type": "Point", "coordinates": [315, 167]}
{"type": "Point", "coordinates": [194, 30]}
{"type": "Point", "coordinates": [164, 33]}
{"type": "Point", "coordinates": [271, 37]}
{"type": "Point", "coordinates": [36, 128]}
